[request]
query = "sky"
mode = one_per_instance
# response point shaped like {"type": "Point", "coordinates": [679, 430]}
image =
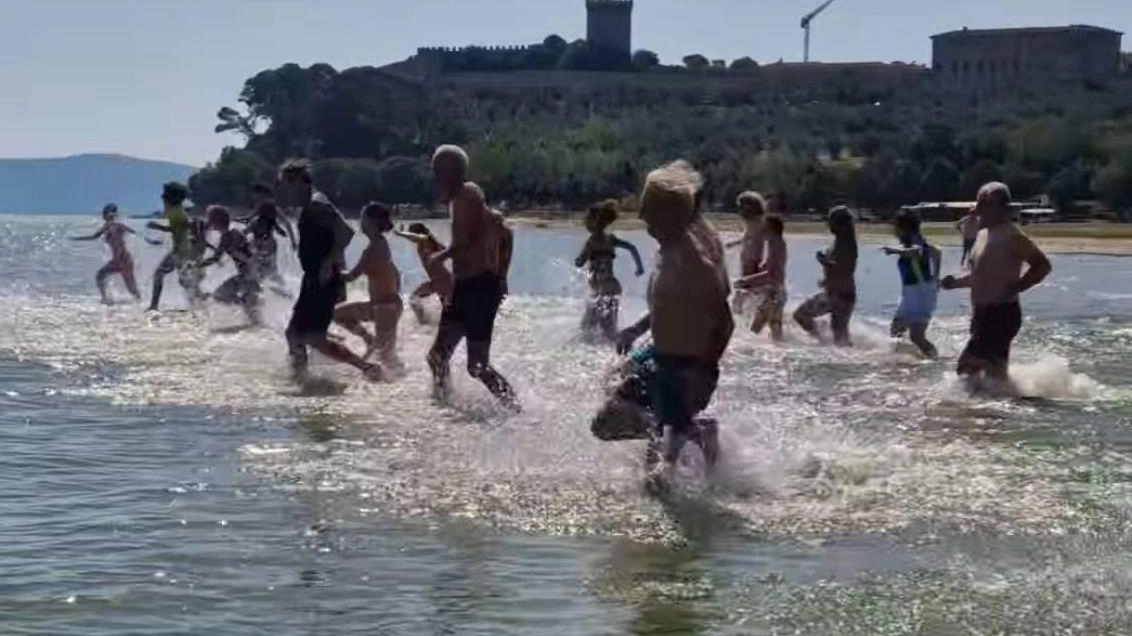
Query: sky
{"type": "Point", "coordinates": [146, 77]}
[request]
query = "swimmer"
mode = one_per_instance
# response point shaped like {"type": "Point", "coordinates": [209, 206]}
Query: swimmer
{"type": "Point", "coordinates": [769, 280]}
{"type": "Point", "coordinates": [244, 288]}
{"type": "Point", "coordinates": [603, 306]}
{"type": "Point", "coordinates": [180, 257]}
{"type": "Point", "coordinates": [121, 261]}
{"type": "Point", "coordinates": [479, 239]}
{"type": "Point", "coordinates": [968, 228]}
{"type": "Point", "coordinates": [838, 293]}
{"type": "Point", "coordinates": [688, 315]}
{"type": "Point", "coordinates": [384, 307]}
{"type": "Point", "coordinates": [439, 278]}
{"type": "Point", "coordinates": [262, 227]}
{"type": "Point", "coordinates": [752, 209]}
{"type": "Point", "coordinates": [996, 280]}
{"type": "Point", "coordinates": [919, 265]}
{"type": "Point", "coordinates": [323, 238]}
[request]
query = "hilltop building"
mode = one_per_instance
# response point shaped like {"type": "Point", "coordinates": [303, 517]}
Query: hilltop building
{"type": "Point", "coordinates": [609, 28]}
{"type": "Point", "coordinates": [992, 58]}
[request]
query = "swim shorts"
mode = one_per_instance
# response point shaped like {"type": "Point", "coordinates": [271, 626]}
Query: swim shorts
{"type": "Point", "coordinates": [993, 329]}
{"type": "Point", "coordinates": [314, 309]}
{"type": "Point", "coordinates": [917, 303]}
{"type": "Point", "coordinates": [475, 303]}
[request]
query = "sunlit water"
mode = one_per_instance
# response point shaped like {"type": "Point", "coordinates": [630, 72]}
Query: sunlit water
{"type": "Point", "coordinates": [162, 474]}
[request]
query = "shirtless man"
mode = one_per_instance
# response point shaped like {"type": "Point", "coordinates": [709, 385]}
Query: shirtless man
{"type": "Point", "coordinates": [838, 295]}
{"type": "Point", "coordinates": [179, 258]}
{"type": "Point", "coordinates": [996, 279]}
{"type": "Point", "coordinates": [752, 209]}
{"type": "Point", "coordinates": [121, 262]}
{"type": "Point", "coordinates": [323, 237]}
{"type": "Point", "coordinates": [480, 278]}
{"type": "Point", "coordinates": [384, 306]}
{"type": "Point", "coordinates": [688, 315]}
{"type": "Point", "coordinates": [968, 227]}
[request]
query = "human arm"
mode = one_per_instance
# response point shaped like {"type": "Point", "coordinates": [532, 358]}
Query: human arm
{"type": "Point", "coordinates": [283, 228]}
{"type": "Point", "coordinates": [937, 259]}
{"type": "Point", "coordinates": [630, 334]}
{"type": "Point", "coordinates": [584, 256]}
{"type": "Point", "coordinates": [361, 266]}
{"type": "Point", "coordinates": [416, 239]}
{"type": "Point", "coordinates": [733, 243]}
{"type": "Point", "coordinates": [130, 230]}
{"type": "Point", "coordinates": [96, 235]}
{"type": "Point", "coordinates": [218, 252]}
{"type": "Point", "coordinates": [633, 252]}
{"type": "Point", "coordinates": [956, 282]}
{"type": "Point", "coordinates": [754, 280]}
{"type": "Point", "coordinates": [506, 250]}
{"type": "Point", "coordinates": [154, 225]}
{"type": "Point", "coordinates": [1037, 263]}
{"type": "Point", "coordinates": [911, 250]}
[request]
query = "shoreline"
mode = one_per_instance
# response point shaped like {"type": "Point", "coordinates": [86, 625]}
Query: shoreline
{"type": "Point", "coordinates": [1109, 239]}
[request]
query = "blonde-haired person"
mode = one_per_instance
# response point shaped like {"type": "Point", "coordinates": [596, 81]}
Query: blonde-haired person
{"type": "Point", "coordinates": [688, 315]}
{"type": "Point", "coordinates": [752, 210]}
{"type": "Point", "coordinates": [603, 306]}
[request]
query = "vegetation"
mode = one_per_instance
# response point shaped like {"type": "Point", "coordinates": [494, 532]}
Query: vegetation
{"type": "Point", "coordinates": [866, 140]}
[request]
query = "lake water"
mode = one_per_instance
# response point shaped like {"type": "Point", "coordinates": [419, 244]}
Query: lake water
{"type": "Point", "coordinates": [161, 475]}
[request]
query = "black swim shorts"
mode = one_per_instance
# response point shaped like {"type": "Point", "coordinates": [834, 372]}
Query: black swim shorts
{"type": "Point", "coordinates": [475, 302]}
{"type": "Point", "coordinates": [993, 329]}
{"type": "Point", "coordinates": [314, 309]}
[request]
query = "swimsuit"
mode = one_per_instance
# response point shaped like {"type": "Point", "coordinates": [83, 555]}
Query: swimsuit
{"type": "Point", "coordinates": [474, 305]}
{"type": "Point", "coordinates": [993, 329]}
{"type": "Point", "coordinates": [919, 291]}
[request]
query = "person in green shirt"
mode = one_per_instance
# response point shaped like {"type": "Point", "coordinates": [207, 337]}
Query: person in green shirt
{"type": "Point", "coordinates": [180, 257]}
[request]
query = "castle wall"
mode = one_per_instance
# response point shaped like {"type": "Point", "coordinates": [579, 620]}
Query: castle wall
{"type": "Point", "coordinates": [1010, 57]}
{"type": "Point", "coordinates": [609, 26]}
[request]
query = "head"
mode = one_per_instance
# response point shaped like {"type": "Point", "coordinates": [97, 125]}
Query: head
{"type": "Point", "coordinates": [377, 218]}
{"type": "Point", "coordinates": [218, 218]}
{"type": "Point", "coordinates": [449, 170]}
{"type": "Point", "coordinates": [906, 225]}
{"type": "Point", "coordinates": [752, 206]}
{"type": "Point", "coordinates": [262, 193]}
{"type": "Point", "coordinates": [601, 216]}
{"type": "Point", "coordinates": [774, 225]}
{"type": "Point", "coordinates": [668, 201]}
{"type": "Point", "coordinates": [267, 210]}
{"type": "Point", "coordinates": [841, 222]}
{"type": "Point", "coordinates": [174, 194]}
{"type": "Point", "coordinates": [296, 183]}
{"type": "Point", "coordinates": [109, 212]}
{"type": "Point", "coordinates": [993, 204]}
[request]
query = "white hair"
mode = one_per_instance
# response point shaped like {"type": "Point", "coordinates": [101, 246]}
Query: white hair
{"type": "Point", "coordinates": [996, 189]}
{"type": "Point", "coordinates": [451, 151]}
{"type": "Point", "coordinates": [671, 189]}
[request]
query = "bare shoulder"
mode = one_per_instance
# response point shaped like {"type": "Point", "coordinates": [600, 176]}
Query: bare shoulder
{"type": "Point", "coordinates": [471, 193]}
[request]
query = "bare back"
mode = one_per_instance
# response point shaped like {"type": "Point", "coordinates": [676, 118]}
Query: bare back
{"type": "Point", "coordinates": [470, 232]}
{"type": "Point", "coordinates": [381, 273]}
{"type": "Point", "coordinates": [115, 235]}
{"type": "Point", "coordinates": [997, 260]}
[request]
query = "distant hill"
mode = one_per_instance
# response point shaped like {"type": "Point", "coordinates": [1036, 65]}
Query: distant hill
{"type": "Point", "coordinates": [82, 184]}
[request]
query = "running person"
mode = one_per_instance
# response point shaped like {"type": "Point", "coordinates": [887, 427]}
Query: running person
{"type": "Point", "coordinates": [838, 294]}
{"type": "Point", "coordinates": [968, 228]}
{"type": "Point", "coordinates": [262, 227]}
{"type": "Point", "coordinates": [752, 209]}
{"type": "Point", "coordinates": [323, 237]}
{"type": "Point", "coordinates": [244, 287]}
{"type": "Point", "coordinates": [769, 282]}
{"type": "Point", "coordinates": [383, 307]}
{"type": "Point", "coordinates": [602, 308]}
{"type": "Point", "coordinates": [919, 265]}
{"type": "Point", "coordinates": [478, 237]}
{"type": "Point", "coordinates": [121, 262]}
{"type": "Point", "coordinates": [180, 257]}
{"type": "Point", "coordinates": [439, 278]}
{"type": "Point", "coordinates": [996, 279]}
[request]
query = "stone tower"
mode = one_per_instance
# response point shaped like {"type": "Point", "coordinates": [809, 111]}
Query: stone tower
{"type": "Point", "coordinates": [609, 29]}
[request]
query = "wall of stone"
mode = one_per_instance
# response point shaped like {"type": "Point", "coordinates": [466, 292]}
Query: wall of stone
{"type": "Point", "coordinates": [609, 25]}
{"type": "Point", "coordinates": [1003, 58]}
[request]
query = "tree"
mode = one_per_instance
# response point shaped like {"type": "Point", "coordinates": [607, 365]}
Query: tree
{"type": "Point", "coordinates": [229, 180]}
{"type": "Point", "coordinates": [1068, 185]}
{"type": "Point", "coordinates": [941, 180]}
{"type": "Point", "coordinates": [719, 63]}
{"type": "Point", "coordinates": [696, 62]}
{"type": "Point", "coordinates": [1113, 182]}
{"type": "Point", "coordinates": [974, 177]}
{"type": "Point", "coordinates": [555, 43]}
{"type": "Point", "coordinates": [232, 121]}
{"type": "Point", "coordinates": [644, 60]}
{"type": "Point", "coordinates": [744, 64]}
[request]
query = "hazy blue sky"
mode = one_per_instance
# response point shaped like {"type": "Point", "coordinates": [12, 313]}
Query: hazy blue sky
{"type": "Point", "coordinates": [145, 77]}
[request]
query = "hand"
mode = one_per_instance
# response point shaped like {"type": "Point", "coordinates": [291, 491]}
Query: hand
{"type": "Point", "coordinates": [948, 282]}
{"type": "Point", "coordinates": [154, 225]}
{"type": "Point", "coordinates": [153, 241]}
{"type": "Point", "coordinates": [820, 256]}
{"type": "Point", "coordinates": [888, 251]}
{"type": "Point", "coordinates": [640, 272]}
{"type": "Point", "coordinates": [327, 271]}
{"type": "Point", "coordinates": [625, 340]}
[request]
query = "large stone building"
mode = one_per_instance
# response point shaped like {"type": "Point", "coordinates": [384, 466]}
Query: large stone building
{"type": "Point", "coordinates": [991, 58]}
{"type": "Point", "coordinates": [609, 27]}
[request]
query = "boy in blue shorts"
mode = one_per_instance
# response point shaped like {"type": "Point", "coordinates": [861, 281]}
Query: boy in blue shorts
{"type": "Point", "coordinates": [918, 264]}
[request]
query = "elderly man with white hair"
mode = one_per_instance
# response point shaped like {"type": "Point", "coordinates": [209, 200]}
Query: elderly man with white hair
{"type": "Point", "coordinates": [688, 315]}
{"type": "Point", "coordinates": [480, 254]}
{"type": "Point", "coordinates": [996, 279]}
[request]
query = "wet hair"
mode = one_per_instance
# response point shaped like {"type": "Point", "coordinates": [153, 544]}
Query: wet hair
{"type": "Point", "coordinates": [774, 223]}
{"type": "Point", "coordinates": [752, 202]}
{"type": "Point", "coordinates": [603, 213]}
{"type": "Point", "coordinates": [296, 170]}
{"type": "Point", "coordinates": [174, 193]}
{"type": "Point", "coordinates": [451, 151]}
{"type": "Point", "coordinates": [217, 215]}
{"type": "Point", "coordinates": [261, 187]}
{"type": "Point", "coordinates": [907, 222]}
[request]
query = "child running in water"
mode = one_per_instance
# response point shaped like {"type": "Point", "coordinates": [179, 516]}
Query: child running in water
{"type": "Point", "coordinates": [919, 265]}
{"type": "Point", "coordinates": [262, 227]}
{"type": "Point", "coordinates": [599, 251]}
{"type": "Point", "coordinates": [838, 294]}
{"type": "Point", "coordinates": [121, 262]}
{"type": "Point", "coordinates": [752, 209]}
{"type": "Point", "coordinates": [439, 278]}
{"type": "Point", "coordinates": [383, 307]}
{"type": "Point", "coordinates": [769, 280]}
{"type": "Point", "coordinates": [242, 289]}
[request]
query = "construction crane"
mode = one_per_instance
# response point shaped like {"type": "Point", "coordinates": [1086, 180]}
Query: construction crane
{"type": "Point", "coordinates": [809, 17]}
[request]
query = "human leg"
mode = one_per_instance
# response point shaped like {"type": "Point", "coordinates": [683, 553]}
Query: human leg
{"type": "Point", "coordinates": [817, 305]}
{"type": "Point", "coordinates": [841, 311]}
{"type": "Point", "coordinates": [386, 317]}
{"type": "Point", "coordinates": [483, 300]}
{"type": "Point", "coordinates": [164, 268]}
{"type": "Point", "coordinates": [100, 277]}
{"type": "Point", "coordinates": [350, 317]}
{"type": "Point", "coordinates": [918, 332]}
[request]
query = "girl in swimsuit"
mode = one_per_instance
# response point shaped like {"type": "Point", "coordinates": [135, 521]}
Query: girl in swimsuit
{"type": "Point", "coordinates": [599, 252]}
{"type": "Point", "coordinates": [243, 288]}
{"type": "Point", "coordinates": [121, 262]}
{"type": "Point", "coordinates": [439, 278]}
{"type": "Point", "coordinates": [262, 227]}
